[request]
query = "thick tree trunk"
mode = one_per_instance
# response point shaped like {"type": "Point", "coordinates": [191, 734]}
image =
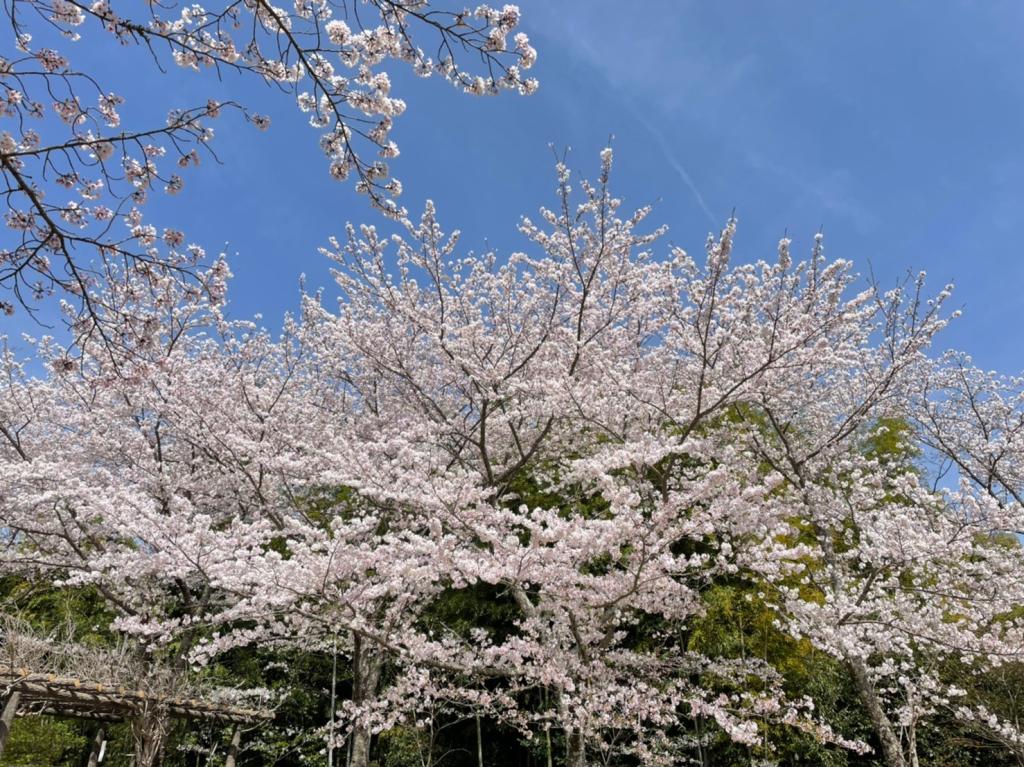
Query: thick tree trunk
{"type": "Point", "coordinates": [95, 749]}
{"type": "Point", "coordinates": [575, 749]}
{"type": "Point", "coordinates": [366, 665]}
{"type": "Point", "coordinates": [360, 748]}
{"type": "Point", "coordinates": [149, 735]}
{"type": "Point", "coordinates": [892, 751]}
{"type": "Point", "coordinates": [7, 717]}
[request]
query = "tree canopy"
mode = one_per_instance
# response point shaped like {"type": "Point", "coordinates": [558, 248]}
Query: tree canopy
{"type": "Point", "coordinates": [599, 501]}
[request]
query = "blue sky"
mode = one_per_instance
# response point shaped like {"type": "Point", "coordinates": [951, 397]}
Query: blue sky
{"type": "Point", "coordinates": [895, 126]}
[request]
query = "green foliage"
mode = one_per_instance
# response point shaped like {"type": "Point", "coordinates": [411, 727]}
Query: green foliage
{"type": "Point", "coordinates": [739, 624]}
{"type": "Point", "coordinates": [481, 604]}
{"type": "Point", "coordinates": [402, 747]}
{"type": "Point", "coordinates": [40, 741]}
{"type": "Point", "coordinates": [80, 611]}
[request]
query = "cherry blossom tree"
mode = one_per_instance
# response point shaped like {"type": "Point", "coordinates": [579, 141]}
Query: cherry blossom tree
{"type": "Point", "coordinates": [135, 475]}
{"type": "Point", "coordinates": [75, 178]}
{"type": "Point", "coordinates": [591, 433]}
{"type": "Point", "coordinates": [573, 416]}
{"type": "Point", "coordinates": [888, 575]}
{"type": "Point", "coordinates": [970, 421]}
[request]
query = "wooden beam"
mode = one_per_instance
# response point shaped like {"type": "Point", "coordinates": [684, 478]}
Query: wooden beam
{"type": "Point", "coordinates": [71, 713]}
{"type": "Point", "coordinates": [54, 694]}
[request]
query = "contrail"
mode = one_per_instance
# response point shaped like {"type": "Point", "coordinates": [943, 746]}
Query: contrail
{"type": "Point", "coordinates": [680, 169]}
{"type": "Point", "coordinates": [594, 59]}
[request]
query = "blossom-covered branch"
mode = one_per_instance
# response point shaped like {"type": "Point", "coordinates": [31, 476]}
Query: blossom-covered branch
{"type": "Point", "coordinates": [75, 179]}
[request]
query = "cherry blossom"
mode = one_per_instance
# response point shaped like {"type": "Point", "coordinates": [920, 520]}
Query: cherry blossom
{"type": "Point", "coordinates": [76, 175]}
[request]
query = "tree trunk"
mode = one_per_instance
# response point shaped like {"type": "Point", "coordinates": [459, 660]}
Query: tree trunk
{"type": "Point", "coordinates": [575, 749]}
{"type": "Point", "coordinates": [366, 664]}
{"type": "Point", "coordinates": [95, 749]}
{"type": "Point", "coordinates": [892, 751]}
{"type": "Point", "coordinates": [149, 735]}
{"type": "Point", "coordinates": [361, 747]}
{"type": "Point", "coordinates": [7, 717]}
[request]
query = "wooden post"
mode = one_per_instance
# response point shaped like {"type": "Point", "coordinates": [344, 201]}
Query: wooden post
{"type": "Point", "coordinates": [96, 749]}
{"type": "Point", "coordinates": [7, 717]}
{"type": "Point", "coordinates": [236, 741]}
{"type": "Point", "coordinates": [334, 697]}
{"type": "Point", "coordinates": [479, 744]}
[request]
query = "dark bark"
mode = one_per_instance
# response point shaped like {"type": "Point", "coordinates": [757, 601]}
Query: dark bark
{"type": "Point", "coordinates": [366, 664]}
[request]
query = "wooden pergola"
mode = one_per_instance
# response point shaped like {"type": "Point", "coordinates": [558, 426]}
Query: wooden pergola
{"type": "Point", "coordinates": [28, 693]}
